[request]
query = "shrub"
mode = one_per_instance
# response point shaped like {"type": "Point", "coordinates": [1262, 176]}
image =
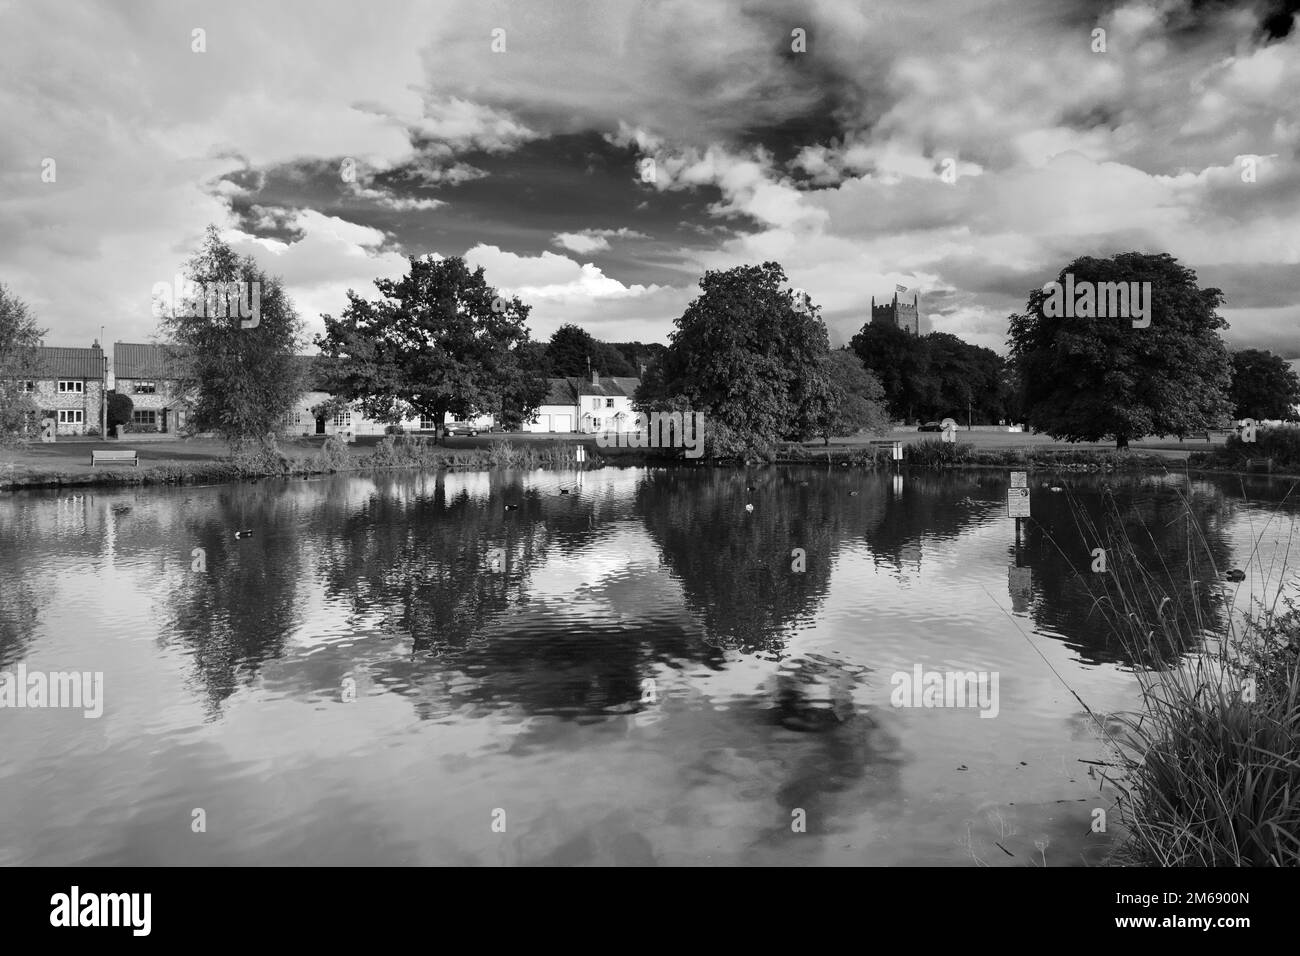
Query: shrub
{"type": "Point", "coordinates": [333, 454]}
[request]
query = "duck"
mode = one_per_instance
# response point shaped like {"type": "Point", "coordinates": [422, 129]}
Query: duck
{"type": "Point", "coordinates": [248, 533]}
{"type": "Point", "coordinates": [564, 491]}
{"type": "Point", "coordinates": [1236, 574]}
{"type": "Point", "coordinates": [1056, 488]}
{"type": "Point", "coordinates": [750, 488]}
{"type": "Point", "coordinates": [749, 507]}
{"type": "Point", "coordinates": [512, 507]}
{"type": "Point", "coordinates": [853, 494]}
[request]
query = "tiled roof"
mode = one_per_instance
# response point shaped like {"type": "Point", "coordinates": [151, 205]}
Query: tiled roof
{"type": "Point", "coordinates": [610, 387]}
{"type": "Point", "coordinates": [566, 391]}
{"type": "Point", "coordinates": [561, 392]}
{"type": "Point", "coordinates": [147, 361]}
{"type": "Point", "coordinates": [68, 363]}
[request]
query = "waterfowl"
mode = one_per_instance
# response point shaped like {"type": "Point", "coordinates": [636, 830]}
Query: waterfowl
{"type": "Point", "coordinates": [750, 488]}
{"type": "Point", "coordinates": [853, 494]}
{"type": "Point", "coordinates": [1236, 574]}
{"type": "Point", "coordinates": [564, 491]}
{"type": "Point", "coordinates": [512, 507]}
{"type": "Point", "coordinates": [749, 507]}
{"type": "Point", "coordinates": [244, 534]}
{"type": "Point", "coordinates": [1057, 488]}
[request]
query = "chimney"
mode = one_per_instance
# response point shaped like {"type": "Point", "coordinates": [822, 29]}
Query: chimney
{"type": "Point", "coordinates": [95, 345]}
{"type": "Point", "coordinates": [595, 376]}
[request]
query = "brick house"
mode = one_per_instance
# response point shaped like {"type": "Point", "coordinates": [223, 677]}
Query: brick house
{"type": "Point", "coordinates": [68, 386]}
{"type": "Point", "coordinates": [147, 375]}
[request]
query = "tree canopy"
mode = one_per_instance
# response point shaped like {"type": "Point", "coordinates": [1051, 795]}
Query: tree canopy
{"type": "Point", "coordinates": [571, 347]}
{"type": "Point", "coordinates": [1090, 378]}
{"type": "Point", "coordinates": [1264, 386]}
{"type": "Point", "coordinates": [438, 341]}
{"type": "Point", "coordinates": [19, 339]}
{"type": "Point", "coordinates": [244, 372]}
{"type": "Point", "coordinates": [746, 358]}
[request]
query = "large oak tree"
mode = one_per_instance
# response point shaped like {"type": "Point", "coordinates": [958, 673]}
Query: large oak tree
{"type": "Point", "coordinates": [1094, 378]}
{"type": "Point", "coordinates": [438, 341]}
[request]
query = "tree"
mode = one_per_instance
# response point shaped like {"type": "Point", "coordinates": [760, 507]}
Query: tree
{"type": "Point", "coordinates": [243, 370]}
{"type": "Point", "coordinates": [640, 354]}
{"type": "Point", "coordinates": [120, 407]}
{"type": "Point", "coordinates": [571, 348]}
{"type": "Point", "coordinates": [855, 399]}
{"type": "Point", "coordinates": [744, 357]}
{"type": "Point", "coordinates": [901, 362]}
{"type": "Point", "coordinates": [439, 340]}
{"type": "Point", "coordinates": [19, 339]}
{"type": "Point", "coordinates": [1263, 386]}
{"type": "Point", "coordinates": [1093, 378]}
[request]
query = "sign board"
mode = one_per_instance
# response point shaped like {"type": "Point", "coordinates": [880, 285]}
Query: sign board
{"type": "Point", "coordinates": [1020, 479]}
{"type": "Point", "coordinates": [898, 451]}
{"type": "Point", "coordinates": [949, 429]}
{"type": "Point", "coordinates": [1017, 502]}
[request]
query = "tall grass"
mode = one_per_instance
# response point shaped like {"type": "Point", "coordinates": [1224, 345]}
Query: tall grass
{"type": "Point", "coordinates": [1209, 769]}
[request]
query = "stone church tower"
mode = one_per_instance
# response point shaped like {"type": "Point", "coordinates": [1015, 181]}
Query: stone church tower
{"type": "Point", "coordinates": [902, 315]}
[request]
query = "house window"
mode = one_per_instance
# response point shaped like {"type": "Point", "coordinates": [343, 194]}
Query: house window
{"type": "Point", "coordinates": [595, 403]}
{"type": "Point", "coordinates": [146, 388]}
{"type": "Point", "coordinates": [26, 386]}
{"type": "Point", "coordinates": [297, 418]}
{"type": "Point", "coordinates": [70, 416]}
{"type": "Point", "coordinates": [342, 418]}
{"type": "Point", "coordinates": [68, 385]}
{"type": "Point", "coordinates": [595, 423]}
{"type": "Point", "coordinates": [426, 423]}
{"type": "Point", "coordinates": [609, 403]}
{"type": "Point", "coordinates": [143, 416]}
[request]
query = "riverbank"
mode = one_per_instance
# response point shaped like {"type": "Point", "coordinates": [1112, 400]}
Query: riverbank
{"type": "Point", "coordinates": [200, 461]}
{"type": "Point", "coordinates": [1209, 769]}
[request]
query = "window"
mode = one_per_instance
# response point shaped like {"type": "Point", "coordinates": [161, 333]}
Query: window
{"type": "Point", "coordinates": [70, 416]}
{"type": "Point", "coordinates": [26, 386]}
{"type": "Point", "coordinates": [297, 418]}
{"type": "Point", "coordinates": [144, 416]}
{"type": "Point", "coordinates": [146, 388]}
{"type": "Point", "coordinates": [342, 418]}
{"type": "Point", "coordinates": [67, 385]}
{"type": "Point", "coordinates": [426, 423]}
{"type": "Point", "coordinates": [595, 423]}
{"type": "Point", "coordinates": [609, 403]}
{"type": "Point", "coordinates": [595, 403]}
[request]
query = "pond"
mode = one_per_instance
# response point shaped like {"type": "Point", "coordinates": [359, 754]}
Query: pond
{"type": "Point", "coordinates": [616, 666]}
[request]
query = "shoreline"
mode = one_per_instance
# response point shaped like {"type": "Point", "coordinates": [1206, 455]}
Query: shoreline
{"type": "Point", "coordinates": [228, 470]}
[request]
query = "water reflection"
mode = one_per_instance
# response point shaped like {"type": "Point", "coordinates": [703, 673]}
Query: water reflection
{"type": "Point", "coordinates": [633, 664]}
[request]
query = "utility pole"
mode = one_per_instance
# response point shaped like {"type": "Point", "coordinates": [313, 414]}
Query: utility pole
{"type": "Point", "coordinates": [103, 387]}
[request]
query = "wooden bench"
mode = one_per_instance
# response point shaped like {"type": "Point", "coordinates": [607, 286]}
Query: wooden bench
{"type": "Point", "coordinates": [124, 455]}
{"type": "Point", "coordinates": [1265, 463]}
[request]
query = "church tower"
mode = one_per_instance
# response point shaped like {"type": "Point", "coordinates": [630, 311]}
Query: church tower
{"type": "Point", "coordinates": [901, 315]}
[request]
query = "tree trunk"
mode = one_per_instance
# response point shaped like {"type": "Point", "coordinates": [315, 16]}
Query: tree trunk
{"type": "Point", "coordinates": [1121, 442]}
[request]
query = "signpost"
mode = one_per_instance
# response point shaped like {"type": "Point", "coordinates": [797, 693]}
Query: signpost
{"type": "Point", "coordinates": [1017, 502]}
{"type": "Point", "coordinates": [1020, 479]}
{"type": "Point", "coordinates": [898, 451]}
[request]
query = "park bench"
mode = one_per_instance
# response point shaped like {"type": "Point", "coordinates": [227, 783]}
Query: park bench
{"type": "Point", "coordinates": [1265, 463]}
{"type": "Point", "coordinates": [124, 455]}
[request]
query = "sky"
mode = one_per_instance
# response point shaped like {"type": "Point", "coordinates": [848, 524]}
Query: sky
{"type": "Point", "coordinates": [965, 149]}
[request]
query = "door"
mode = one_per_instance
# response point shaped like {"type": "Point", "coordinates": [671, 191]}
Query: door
{"type": "Point", "coordinates": [320, 424]}
{"type": "Point", "coordinates": [163, 427]}
{"type": "Point", "coordinates": [561, 423]}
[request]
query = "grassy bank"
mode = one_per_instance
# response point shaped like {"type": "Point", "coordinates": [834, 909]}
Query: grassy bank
{"type": "Point", "coordinates": [334, 456]}
{"type": "Point", "coordinates": [934, 454]}
{"type": "Point", "coordinates": [1209, 770]}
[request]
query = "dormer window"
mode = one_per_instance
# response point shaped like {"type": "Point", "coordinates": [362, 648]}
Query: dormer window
{"type": "Point", "coordinates": [146, 388]}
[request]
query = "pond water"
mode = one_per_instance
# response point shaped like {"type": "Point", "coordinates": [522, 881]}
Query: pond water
{"type": "Point", "coordinates": [619, 666]}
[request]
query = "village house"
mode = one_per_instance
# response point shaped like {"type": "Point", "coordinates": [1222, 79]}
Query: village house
{"type": "Point", "coordinates": [587, 405]}
{"type": "Point", "coordinates": [312, 413]}
{"type": "Point", "coordinates": [67, 385]}
{"type": "Point", "coordinates": [147, 375]}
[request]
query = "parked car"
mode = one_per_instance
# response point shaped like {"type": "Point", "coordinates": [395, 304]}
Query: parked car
{"type": "Point", "coordinates": [462, 430]}
{"type": "Point", "coordinates": [930, 427]}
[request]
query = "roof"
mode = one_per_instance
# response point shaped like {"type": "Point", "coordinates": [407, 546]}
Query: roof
{"type": "Point", "coordinates": [51, 362]}
{"type": "Point", "coordinates": [611, 387]}
{"type": "Point", "coordinates": [148, 361]}
{"type": "Point", "coordinates": [561, 392]}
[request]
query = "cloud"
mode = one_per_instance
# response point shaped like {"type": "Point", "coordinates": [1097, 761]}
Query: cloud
{"type": "Point", "coordinates": [587, 241]}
